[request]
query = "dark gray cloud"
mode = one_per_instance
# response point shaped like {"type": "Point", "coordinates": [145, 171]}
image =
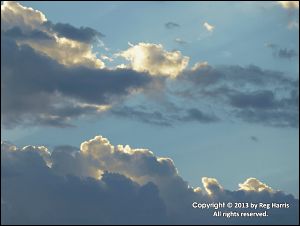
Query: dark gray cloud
{"type": "Point", "coordinates": [287, 53]}
{"type": "Point", "coordinates": [82, 34]}
{"type": "Point", "coordinates": [34, 193]}
{"type": "Point", "coordinates": [249, 93]}
{"type": "Point", "coordinates": [17, 34]}
{"type": "Point", "coordinates": [195, 114]}
{"type": "Point", "coordinates": [283, 53]}
{"type": "Point", "coordinates": [46, 198]}
{"type": "Point", "coordinates": [257, 100]}
{"type": "Point", "coordinates": [37, 89]}
{"type": "Point", "coordinates": [171, 25]}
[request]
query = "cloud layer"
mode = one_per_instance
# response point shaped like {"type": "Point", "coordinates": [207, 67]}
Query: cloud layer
{"type": "Point", "coordinates": [50, 75]}
{"type": "Point", "coordinates": [102, 183]}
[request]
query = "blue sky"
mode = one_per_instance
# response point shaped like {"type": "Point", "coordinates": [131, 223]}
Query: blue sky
{"type": "Point", "coordinates": [247, 130]}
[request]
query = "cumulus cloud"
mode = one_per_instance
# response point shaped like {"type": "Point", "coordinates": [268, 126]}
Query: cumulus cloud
{"type": "Point", "coordinates": [289, 4]}
{"type": "Point", "coordinates": [49, 73]}
{"type": "Point", "coordinates": [115, 184]}
{"type": "Point", "coordinates": [47, 198]}
{"type": "Point", "coordinates": [53, 94]}
{"type": "Point", "coordinates": [208, 26]}
{"type": "Point", "coordinates": [252, 184]}
{"type": "Point", "coordinates": [152, 58]}
{"type": "Point", "coordinates": [211, 185]}
{"type": "Point", "coordinates": [62, 42]}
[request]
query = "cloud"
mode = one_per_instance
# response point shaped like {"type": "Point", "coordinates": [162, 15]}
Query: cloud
{"type": "Point", "coordinates": [14, 14]}
{"type": "Point", "coordinates": [208, 94]}
{"type": "Point", "coordinates": [50, 75]}
{"type": "Point", "coordinates": [292, 12]}
{"type": "Point", "coordinates": [102, 183]}
{"type": "Point", "coordinates": [252, 184]}
{"type": "Point", "coordinates": [154, 117]}
{"type": "Point", "coordinates": [53, 68]}
{"type": "Point", "coordinates": [211, 186]}
{"type": "Point", "coordinates": [194, 114]}
{"type": "Point", "coordinates": [62, 42]}
{"type": "Point", "coordinates": [152, 58]}
{"type": "Point", "coordinates": [287, 53]}
{"type": "Point", "coordinates": [163, 117]}
{"type": "Point", "coordinates": [208, 27]}
{"type": "Point", "coordinates": [249, 93]}
{"type": "Point", "coordinates": [53, 94]}
{"type": "Point", "coordinates": [171, 25]}
{"type": "Point", "coordinates": [282, 53]}
{"type": "Point", "coordinates": [32, 193]}
{"type": "Point", "coordinates": [199, 65]}
{"type": "Point", "coordinates": [289, 4]}
{"type": "Point", "coordinates": [82, 34]}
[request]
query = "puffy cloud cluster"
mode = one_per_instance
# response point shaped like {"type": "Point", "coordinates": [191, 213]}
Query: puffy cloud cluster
{"type": "Point", "coordinates": [62, 42]}
{"type": "Point", "coordinates": [102, 183]}
{"type": "Point", "coordinates": [39, 90]}
{"type": "Point", "coordinates": [211, 185]}
{"type": "Point", "coordinates": [252, 184]}
{"type": "Point", "coordinates": [49, 74]}
{"type": "Point", "coordinates": [152, 58]}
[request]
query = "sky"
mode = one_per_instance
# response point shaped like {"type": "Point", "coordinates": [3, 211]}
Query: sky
{"type": "Point", "coordinates": [204, 93]}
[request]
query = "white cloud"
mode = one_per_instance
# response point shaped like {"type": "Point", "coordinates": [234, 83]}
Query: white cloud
{"type": "Point", "coordinates": [253, 184]}
{"type": "Point", "coordinates": [64, 50]}
{"type": "Point", "coordinates": [289, 4]}
{"type": "Point", "coordinates": [208, 26]}
{"type": "Point", "coordinates": [152, 58]}
{"type": "Point", "coordinates": [141, 165]}
{"type": "Point", "coordinates": [211, 185]}
{"type": "Point", "coordinates": [200, 65]}
{"type": "Point", "coordinates": [14, 14]}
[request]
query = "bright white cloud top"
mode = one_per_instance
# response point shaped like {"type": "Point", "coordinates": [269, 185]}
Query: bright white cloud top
{"type": "Point", "coordinates": [35, 30]}
{"type": "Point", "coordinates": [152, 58]}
